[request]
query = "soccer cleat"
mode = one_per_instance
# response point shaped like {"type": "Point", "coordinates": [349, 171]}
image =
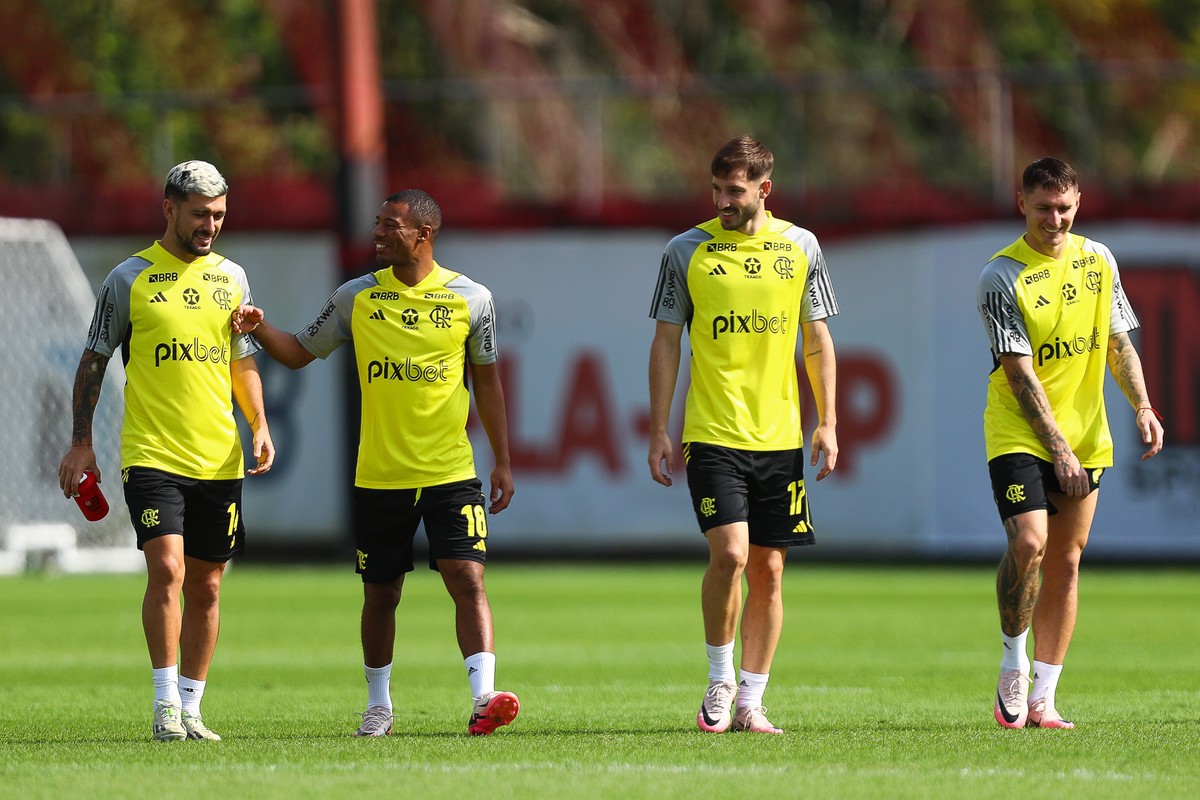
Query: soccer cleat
{"type": "Point", "coordinates": [1046, 716]}
{"type": "Point", "coordinates": [493, 710]}
{"type": "Point", "coordinates": [377, 721]}
{"type": "Point", "coordinates": [753, 720]}
{"type": "Point", "coordinates": [167, 725]}
{"type": "Point", "coordinates": [1012, 697]}
{"type": "Point", "coordinates": [196, 729]}
{"type": "Point", "coordinates": [716, 712]}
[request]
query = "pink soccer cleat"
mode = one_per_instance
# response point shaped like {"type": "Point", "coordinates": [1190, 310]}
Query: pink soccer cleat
{"type": "Point", "coordinates": [493, 710]}
{"type": "Point", "coordinates": [1012, 696]}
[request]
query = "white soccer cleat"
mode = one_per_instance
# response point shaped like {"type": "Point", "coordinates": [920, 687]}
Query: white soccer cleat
{"type": "Point", "coordinates": [196, 729]}
{"type": "Point", "coordinates": [753, 720]}
{"type": "Point", "coordinates": [377, 721]}
{"type": "Point", "coordinates": [168, 727]}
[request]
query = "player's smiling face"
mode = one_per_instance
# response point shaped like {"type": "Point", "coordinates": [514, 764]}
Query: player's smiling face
{"type": "Point", "coordinates": [394, 238]}
{"type": "Point", "coordinates": [1049, 214]}
{"type": "Point", "coordinates": [739, 200]}
{"type": "Point", "coordinates": [195, 224]}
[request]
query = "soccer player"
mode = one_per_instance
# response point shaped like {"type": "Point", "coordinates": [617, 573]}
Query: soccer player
{"type": "Point", "coordinates": [1055, 313]}
{"type": "Point", "coordinates": [418, 330]}
{"type": "Point", "coordinates": [169, 308]}
{"type": "Point", "coordinates": [746, 285]}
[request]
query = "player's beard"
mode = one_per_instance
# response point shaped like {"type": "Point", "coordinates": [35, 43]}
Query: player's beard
{"type": "Point", "coordinates": [739, 220]}
{"type": "Point", "coordinates": [187, 241]}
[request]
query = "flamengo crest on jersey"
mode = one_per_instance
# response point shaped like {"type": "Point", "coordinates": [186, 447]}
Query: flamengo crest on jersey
{"type": "Point", "coordinates": [411, 345]}
{"type": "Point", "coordinates": [1060, 313]}
{"type": "Point", "coordinates": [744, 299]}
{"type": "Point", "coordinates": [171, 319]}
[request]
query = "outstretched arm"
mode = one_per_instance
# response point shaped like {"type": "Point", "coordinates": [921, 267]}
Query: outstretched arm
{"type": "Point", "coordinates": [489, 403]}
{"type": "Point", "coordinates": [89, 377]}
{"type": "Point", "coordinates": [1126, 366]}
{"type": "Point", "coordinates": [1031, 396]}
{"type": "Point", "coordinates": [664, 371]}
{"type": "Point", "coordinates": [820, 364]}
{"type": "Point", "coordinates": [247, 391]}
{"type": "Point", "coordinates": [282, 346]}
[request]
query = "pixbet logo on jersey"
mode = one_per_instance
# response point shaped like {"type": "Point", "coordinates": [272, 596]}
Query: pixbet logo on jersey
{"type": "Point", "coordinates": [753, 322]}
{"type": "Point", "coordinates": [190, 351]}
{"type": "Point", "coordinates": [1065, 348]}
{"type": "Point", "coordinates": [406, 370]}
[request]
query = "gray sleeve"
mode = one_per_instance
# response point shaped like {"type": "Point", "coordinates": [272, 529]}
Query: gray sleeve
{"type": "Point", "coordinates": [243, 344]}
{"type": "Point", "coordinates": [1123, 319]}
{"type": "Point", "coordinates": [672, 300]}
{"type": "Point", "coordinates": [820, 300]}
{"type": "Point", "coordinates": [481, 338]}
{"type": "Point", "coordinates": [110, 320]}
{"type": "Point", "coordinates": [1002, 318]}
{"type": "Point", "coordinates": [331, 329]}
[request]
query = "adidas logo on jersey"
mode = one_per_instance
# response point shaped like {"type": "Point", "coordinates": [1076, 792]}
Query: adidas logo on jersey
{"type": "Point", "coordinates": [718, 270]}
{"type": "Point", "coordinates": [159, 298]}
{"type": "Point", "coordinates": [1041, 301]}
{"type": "Point", "coordinates": [378, 315]}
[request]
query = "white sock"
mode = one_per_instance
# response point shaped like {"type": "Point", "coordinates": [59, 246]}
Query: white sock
{"type": "Point", "coordinates": [751, 688]}
{"type": "Point", "coordinates": [166, 685]}
{"type": "Point", "coordinates": [720, 663]}
{"type": "Point", "coordinates": [192, 692]}
{"type": "Point", "coordinates": [481, 672]}
{"type": "Point", "coordinates": [1015, 656]}
{"type": "Point", "coordinates": [379, 686]}
{"type": "Point", "coordinates": [1045, 682]}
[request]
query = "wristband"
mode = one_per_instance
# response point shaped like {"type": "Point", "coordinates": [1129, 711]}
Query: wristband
{"type": "Point", "coordinates": [1151, 409]}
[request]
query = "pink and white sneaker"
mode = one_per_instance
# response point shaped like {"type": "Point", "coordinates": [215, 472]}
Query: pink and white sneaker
{"type": "Point", "coordinates": [1012, 699]}
{"type": "Point", "coordinates": [1042, 715]}
{"type": "Point", "coordinates": [753, 720]}
{"type": "Point", "coordinates": [493, 710]}
{"type": "Point", "coordinates": [716, 711]}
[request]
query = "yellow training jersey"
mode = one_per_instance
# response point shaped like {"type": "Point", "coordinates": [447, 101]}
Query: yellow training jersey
{"type": "Point", "coordinates": [171, 319]}
{"type": "Point", "coordinates": [1060, 312]}
{"type": "Point", "coordinates": [743, 299]}
{"type": "Point", "coordinates": [411, 344]}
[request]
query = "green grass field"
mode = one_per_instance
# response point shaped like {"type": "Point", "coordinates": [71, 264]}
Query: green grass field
{"type": "Point", "coordinates": [883, 681]}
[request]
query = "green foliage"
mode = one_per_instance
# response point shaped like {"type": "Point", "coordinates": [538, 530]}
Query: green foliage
{"type": "Point", "coordinates": [883, 681]}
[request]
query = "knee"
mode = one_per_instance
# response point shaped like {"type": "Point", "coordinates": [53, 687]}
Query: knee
{"type": "Point", "coordinates": [765, 575]}
{"type": "Point", "coordinates": [204, 591]}
{"type": "Point", "coordinates": [1027, 549]}
{"type": "Point", "coordinates": [729, 560]}
{"type": "Point", "coordinates": [464, 580]}
{"type": "Point", "coordinates": [382, 597]}
{"type": "Point", "coordinates": [164, 573]}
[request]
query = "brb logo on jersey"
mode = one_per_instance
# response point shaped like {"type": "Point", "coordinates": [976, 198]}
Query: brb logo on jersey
{"type": "Point", "coordinates": [406, 370]}
{"type": "Point", "coordinates": [753, 322]}
{"type": "Point", "coordinates": [195, 351]}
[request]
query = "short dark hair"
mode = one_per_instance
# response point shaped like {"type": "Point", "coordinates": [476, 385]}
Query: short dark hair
{"type": "Point", "coordinates": [1051, 173]}
{"type": "Point", "coordinates": [744, 152]}
{"type": "Point", "coordinates": [421, 208]}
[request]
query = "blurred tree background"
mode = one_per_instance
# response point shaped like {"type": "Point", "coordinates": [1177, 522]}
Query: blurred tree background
{"type": "Point", "coordinates": [882, 113]}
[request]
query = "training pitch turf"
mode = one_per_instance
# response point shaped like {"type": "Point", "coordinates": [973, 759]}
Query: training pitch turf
{"type": "Point", "coordinates": [883, 681]}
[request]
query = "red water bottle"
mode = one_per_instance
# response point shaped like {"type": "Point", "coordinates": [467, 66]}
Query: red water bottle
{"type": "Point", "coordinates": [91, 500]}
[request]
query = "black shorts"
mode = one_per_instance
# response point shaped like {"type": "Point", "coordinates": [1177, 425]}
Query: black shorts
{"type": "Point", "coordinates": [385, 522]}
{"type": "Point", "coordinates": [1021, 482]}
{"type": "Point", "coordinates": [207, 513]}
{"type": "Point", "coordinates": [764, 489]}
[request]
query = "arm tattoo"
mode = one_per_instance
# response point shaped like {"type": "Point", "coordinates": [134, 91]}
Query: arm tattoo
{"type": "Point", "coordinates": [1016, 594]}
{"type": "Point", "coordinates": [1126, 367]}
{"type": "Point", "coordinates": [86, 395]}
{"type": "Point", "coordinates": [1036, 406]}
